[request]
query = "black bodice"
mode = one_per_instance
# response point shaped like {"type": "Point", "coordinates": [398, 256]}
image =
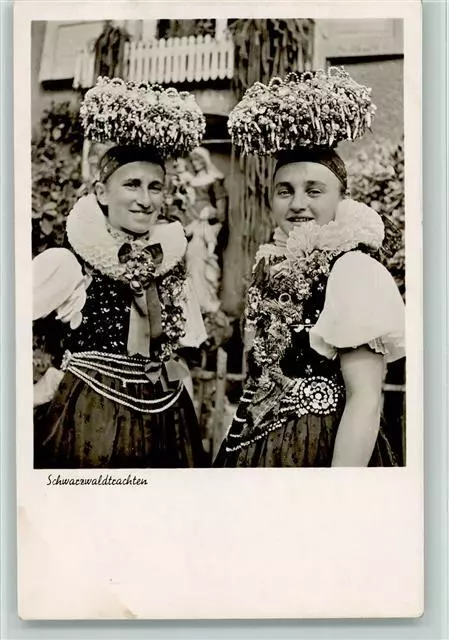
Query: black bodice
{"type": "Point", "coordinates": [105, 321]}
{"type": "Point", "coordinates": [106, 313]}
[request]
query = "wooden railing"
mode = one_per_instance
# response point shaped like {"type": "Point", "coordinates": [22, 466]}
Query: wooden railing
{"type": "Point", "coordinates": [171, 61]}
{"type": "Point", "coordinates": [84, 69]}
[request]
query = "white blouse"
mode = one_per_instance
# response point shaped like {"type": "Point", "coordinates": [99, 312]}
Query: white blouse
{"type": "Point", "coordinates": [363, 306]}
{"type": "Point", "coordinates": [59, 285]}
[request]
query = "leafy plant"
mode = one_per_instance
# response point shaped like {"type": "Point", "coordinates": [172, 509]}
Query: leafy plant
{"type": "Point", "coordinates": [56, 174]}
{"type": "Point", "coordinates": [268, 48]}
{"type": "Point", "coordinates": [56, 179]}
{"type": "Point", "coordinates": [377, 179]}
{"type": "Point", "coordinates": [186, 28]}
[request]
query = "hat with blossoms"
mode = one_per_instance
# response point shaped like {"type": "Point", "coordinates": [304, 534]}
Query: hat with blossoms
{"type": "Point", "coordinates": [145, 118]}
{"type": "Point", "coordinates": [302, 118]}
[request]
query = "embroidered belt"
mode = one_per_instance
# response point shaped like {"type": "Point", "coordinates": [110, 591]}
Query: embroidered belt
{"type": "Point", "coordinates": [129, 370]}
{"type": "Point", "coordinates": [315, 395]}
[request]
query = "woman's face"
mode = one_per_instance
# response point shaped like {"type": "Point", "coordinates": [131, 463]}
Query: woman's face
{"type": "Point", "coordinates": [198, 163]}
{"type": "Point", "coordinates": [134, 196]}
{"type": "Point", "coordinates": [305, 191]}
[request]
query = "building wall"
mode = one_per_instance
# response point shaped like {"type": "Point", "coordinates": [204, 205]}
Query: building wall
{"type": "Point", "coordinates": [37, 45]}
{"type": "Point", "coordinates": [359, 37]}
{"type": "Point", "coordinates": [385, 77]}
{"type": "Point", "coordinates": [42, 96]}
{"type": "Point", "coordinates": [372, 52]}
{"type": "Point", "coordinates": [215, 101]}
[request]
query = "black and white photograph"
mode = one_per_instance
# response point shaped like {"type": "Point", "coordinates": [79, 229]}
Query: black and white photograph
{"type": "Point", "coordinates": [218, 272]}
{"type": "Point", "coordinates": [218, 243]}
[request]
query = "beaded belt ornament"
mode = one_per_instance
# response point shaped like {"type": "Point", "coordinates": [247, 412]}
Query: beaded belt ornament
{"type": "Point", "coordinates": [128, 370]}
{"type": "Point", "coordinates": [316, 395]}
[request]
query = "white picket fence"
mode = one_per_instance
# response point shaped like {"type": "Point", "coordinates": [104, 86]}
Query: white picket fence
{"type": "Point", "coordinates": [170, 61]}
{"type": "Point", "coordinates": [83, 77]}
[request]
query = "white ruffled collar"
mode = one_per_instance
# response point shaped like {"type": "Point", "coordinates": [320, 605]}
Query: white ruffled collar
{"type": "Point", "coordinates": [88, 234]}
{"type": "Point", "coordinates": [355, 223]}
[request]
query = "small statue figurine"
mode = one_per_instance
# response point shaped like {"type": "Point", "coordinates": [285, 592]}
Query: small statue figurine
{"type": "Point", "coordinates": [209, 214]}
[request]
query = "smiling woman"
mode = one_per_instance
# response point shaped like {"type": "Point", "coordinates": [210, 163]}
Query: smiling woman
{"type": "Point", "coordinates": [326, 316]}
{"type": "Point", "coordinates": [120, 397]}
{"type": "Point", "coordinates": [304, 191]}
{"type": "Point", "coordinates": [132, 196]}
{"type": "Point", "coordinates": [323, 315]}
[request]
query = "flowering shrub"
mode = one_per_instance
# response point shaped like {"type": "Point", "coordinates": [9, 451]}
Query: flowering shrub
{"type": "Point", "coordinates": [318, 109]}
{"type": "Point", "coordinates": [377, 179]}
{"type": "Point", "coordinates": [56, 174]}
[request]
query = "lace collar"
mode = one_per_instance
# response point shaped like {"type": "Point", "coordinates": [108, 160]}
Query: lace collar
{"type": "Point", "coordinates": [355, 223]}
{"type": "Point", "coordinates": [97, 243]}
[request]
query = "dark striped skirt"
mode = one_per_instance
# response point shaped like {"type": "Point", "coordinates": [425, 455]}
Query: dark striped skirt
{"type": "Point", "coordinates": [90, 423]}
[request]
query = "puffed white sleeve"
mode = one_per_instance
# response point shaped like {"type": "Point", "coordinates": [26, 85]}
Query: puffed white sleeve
{"type": "Point", "coordinates": [363, 306]}
{"type": "Point", "coordinates": [58, 285]}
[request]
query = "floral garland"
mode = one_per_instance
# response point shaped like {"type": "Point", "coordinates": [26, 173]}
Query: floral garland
{"type": "Point", "coordinates": [317, 109]}
{"type": "Point", "coordinates": [127, 113]}
{"type": "Point", "coordinates": [172, 313]}
{"type": "Point", "coordinates": [287, 274]}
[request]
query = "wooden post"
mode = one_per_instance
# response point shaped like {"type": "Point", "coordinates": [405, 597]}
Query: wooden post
{"type": "Point", "coordinates": [85, 168]}
{"type": "Point", "coordinates": [220, 395]}
{"type": "Point", "coordinates": [140, 53]}
{"type": "Point", "coordinates": [200, 53]}
{"type": "Point", "coordinates": [221, 25]}
{"type": "Point", "coordinates": [214, 50]}
{"type": "Point", "coordinates": [132, 61]}
{"type": "Point", "coordinates": [201, 383]}
{"type": "Point", "coordinates": [319, 46]}
{"type": "Point", "coordinates": [149, 29]}
{"type": "Point", "coordinates": [191, 59]}
{"type": "Point", "coordinates": [152, 66]}
{"type": "Point", "coordinates": [160, 61]}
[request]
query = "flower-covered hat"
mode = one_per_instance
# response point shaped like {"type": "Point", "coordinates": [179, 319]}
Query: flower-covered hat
{"type": "Point", "coordinates": [126, 114]}
{"type": "Point", "coordinates": [310, 110]}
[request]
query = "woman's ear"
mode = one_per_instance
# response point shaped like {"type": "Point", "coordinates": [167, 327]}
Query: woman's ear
{"type": "Point", "coordinates": [101, 193]}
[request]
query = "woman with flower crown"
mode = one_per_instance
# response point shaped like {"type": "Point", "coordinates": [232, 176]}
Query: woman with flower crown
{"type": "Point", "coordinates": [324, 314]}
{"type": "Point", "coordinates": [119, 399]}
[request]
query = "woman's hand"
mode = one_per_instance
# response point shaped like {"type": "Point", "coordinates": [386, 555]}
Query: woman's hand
{"type": "Point", "coordinates": [45, 389]}
{"type": "Point", "coordinates": [363, 374]}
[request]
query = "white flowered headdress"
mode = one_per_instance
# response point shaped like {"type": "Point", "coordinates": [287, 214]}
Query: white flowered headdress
{"type": "Point", "coordinates": [309, 110]}
{"type": "Point", "coordinates": [168, 122]}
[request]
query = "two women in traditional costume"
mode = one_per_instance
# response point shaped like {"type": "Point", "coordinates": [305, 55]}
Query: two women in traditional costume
{"type": "Point", "coordinates": [324, 315]}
